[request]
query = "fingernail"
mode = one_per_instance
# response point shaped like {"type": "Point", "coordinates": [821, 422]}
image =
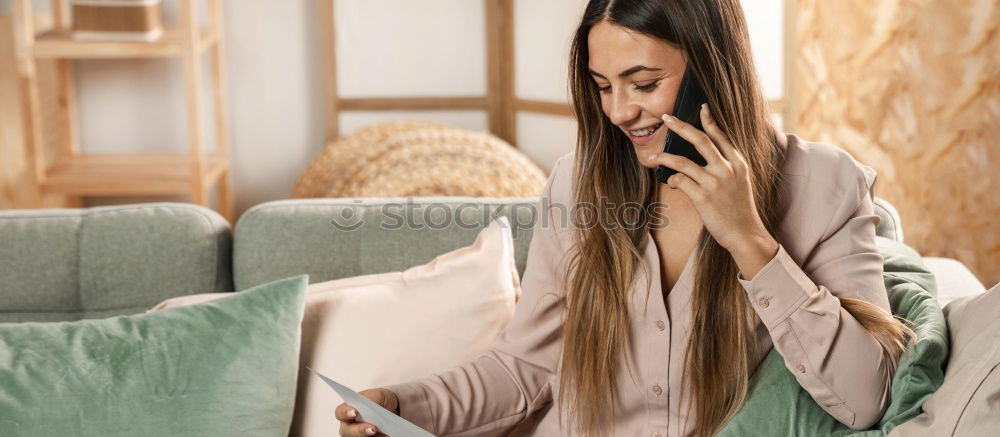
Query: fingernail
{"type": "Point", "coordinates": [704, 106]}
{"type": "Point", "coordinates": [668, 118]}
{"type": "Point", "coordinates": [352, 413]}
{"type": "Point", "coordinates": [370, 431]}
{"type": "Point", "coordinates": [651, 157]}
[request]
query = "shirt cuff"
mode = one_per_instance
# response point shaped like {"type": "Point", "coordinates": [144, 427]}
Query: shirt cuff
{"type": "Point", "coordinates": [778, 289]}
{"type": "Point", "coordinates": [413, 405]}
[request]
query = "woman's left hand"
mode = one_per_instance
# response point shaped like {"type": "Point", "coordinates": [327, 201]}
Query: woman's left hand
{"type": "Point", "coordinates": [720, 191]}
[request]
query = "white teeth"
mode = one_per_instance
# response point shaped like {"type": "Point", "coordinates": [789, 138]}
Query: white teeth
{"type": "Point", "coordinates": [644, 132]}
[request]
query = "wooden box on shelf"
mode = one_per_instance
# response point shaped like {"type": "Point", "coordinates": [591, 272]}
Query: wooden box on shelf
{"type": "Point", "coordinates": [122, 20]}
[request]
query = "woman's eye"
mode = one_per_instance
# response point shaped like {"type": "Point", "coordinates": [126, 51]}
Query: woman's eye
{"type": "Point", "coordinates": [647, 88]}
{"type": "Point", "coordinates": [643, 88]}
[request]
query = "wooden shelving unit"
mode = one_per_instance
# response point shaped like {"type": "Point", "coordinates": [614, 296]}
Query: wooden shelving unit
{"type": "Point", "coordinates": [74, 174]}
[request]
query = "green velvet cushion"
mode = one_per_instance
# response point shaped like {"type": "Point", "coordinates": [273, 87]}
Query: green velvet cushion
{"type": "Point", "coordinates": [778, 406]}
{"type": "Point", "coordinates": [222, 368]}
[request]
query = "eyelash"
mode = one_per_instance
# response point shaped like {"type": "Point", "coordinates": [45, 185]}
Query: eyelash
{"type": "Point", "coordinates": [642, 88]}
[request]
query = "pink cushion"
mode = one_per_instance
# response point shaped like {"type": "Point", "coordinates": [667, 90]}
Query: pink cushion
{"type": "Point", "coordinates": [375, 330]}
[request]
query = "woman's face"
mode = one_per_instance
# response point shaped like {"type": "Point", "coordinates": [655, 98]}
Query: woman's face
{"type": "Point", "coordinates": [638, 77]}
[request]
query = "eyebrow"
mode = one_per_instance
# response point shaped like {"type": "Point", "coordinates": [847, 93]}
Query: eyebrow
{"type": "Point", "coordinates": [628, 72]}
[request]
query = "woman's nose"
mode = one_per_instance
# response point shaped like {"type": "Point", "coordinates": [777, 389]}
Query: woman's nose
{"type": "Point", "coordinates": [622, 110]}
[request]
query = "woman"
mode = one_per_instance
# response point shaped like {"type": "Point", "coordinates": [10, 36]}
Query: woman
{"type": "Point", "coordinates": [771, 244]}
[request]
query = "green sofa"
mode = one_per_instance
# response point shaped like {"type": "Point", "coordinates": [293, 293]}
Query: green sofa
{"type": "Point", "coordinates": [71, 264]}
{"type": "Point", "coordinates": [93, 263]}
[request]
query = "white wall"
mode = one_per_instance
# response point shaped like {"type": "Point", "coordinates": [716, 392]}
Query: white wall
{"type": "Point", "coordinates": [385, 48]}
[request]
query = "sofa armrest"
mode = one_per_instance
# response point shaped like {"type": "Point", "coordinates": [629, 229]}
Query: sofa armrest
{"type": "Point", "coordinates": [954, 280]}
{"type": "Point", "coordinates": [890, 225]}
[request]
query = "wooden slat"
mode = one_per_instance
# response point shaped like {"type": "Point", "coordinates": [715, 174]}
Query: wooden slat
{"type": "Point", "coordinates": [27, 71]}
{"type": "Point", "coordinates": [60, 14]}
{"type": "Point", "coordinates": [192, 78]}
{"type": "Point", "coordinates": [99, 175]}
{"type": "Point", "coordinates": [17, 182]}
{"type": "Point", "coordinates": [412, 103]}
{"type": "Point", "coordinates": [66, 89]}
{"type": "Point", "coordinates": [328, 47]}
{"type": "Point", "coordinates": [225, 195]}
{"type": "Point", "coordinates": [500, 69]}
{"type": "Point", "coordinates": [542, 107]}
{"type": "Point", "coordinates": [58, 43]}
{"type": "Point", "coordinates": [66, 116]}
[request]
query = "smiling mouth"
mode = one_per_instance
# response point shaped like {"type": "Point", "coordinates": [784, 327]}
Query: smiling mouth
{"type": "Point", "coordinates": [644, 132]}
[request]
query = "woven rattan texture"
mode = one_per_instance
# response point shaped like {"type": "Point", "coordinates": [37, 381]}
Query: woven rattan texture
{"type": "Point", "coordinates": [407, 158]}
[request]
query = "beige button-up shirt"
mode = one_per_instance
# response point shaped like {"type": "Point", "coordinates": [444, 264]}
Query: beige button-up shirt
{"type": "Point", "coordinates": [827, 249]}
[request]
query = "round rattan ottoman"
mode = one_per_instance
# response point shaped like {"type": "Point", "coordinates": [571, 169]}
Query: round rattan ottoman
{"type": "Point", "coordinates": [404, 159]}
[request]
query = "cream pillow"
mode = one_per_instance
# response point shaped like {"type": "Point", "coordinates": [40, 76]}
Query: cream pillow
{"type": "Point", "coordinates": [381, 329]}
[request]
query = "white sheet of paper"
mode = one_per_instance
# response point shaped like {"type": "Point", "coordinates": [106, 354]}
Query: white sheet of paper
{"type": "Point", "coordinates": [388, 423]}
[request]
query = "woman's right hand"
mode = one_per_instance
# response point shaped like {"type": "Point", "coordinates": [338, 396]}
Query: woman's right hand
{"type": "Point", "coordinates": [346, 414]}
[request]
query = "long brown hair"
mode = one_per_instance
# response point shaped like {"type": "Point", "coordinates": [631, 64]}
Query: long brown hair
{"type": "Point", "coordinates": [713, 35]}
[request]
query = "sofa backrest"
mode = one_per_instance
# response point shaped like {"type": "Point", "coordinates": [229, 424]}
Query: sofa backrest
{"type": "Point", "coordinates": [338, 238]}
{"type": "Point", "coordinates": [68, 264]}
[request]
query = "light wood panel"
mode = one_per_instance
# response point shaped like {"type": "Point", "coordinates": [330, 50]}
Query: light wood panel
{"type": "Point", "coordinates": [912, 89]}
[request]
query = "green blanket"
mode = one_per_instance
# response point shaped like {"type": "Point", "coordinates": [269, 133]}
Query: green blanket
{"type": "Point", "coordinates": [778, 406]}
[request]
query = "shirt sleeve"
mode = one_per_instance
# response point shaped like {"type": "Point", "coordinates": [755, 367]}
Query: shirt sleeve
{"type": "Point", "coordinates": [500, 388]}
{"type": "Point", "coordinates": [831, 354]}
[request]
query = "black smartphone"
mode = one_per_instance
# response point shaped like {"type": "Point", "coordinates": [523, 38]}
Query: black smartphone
{"type": "Point", "coordinates": [687, 108]}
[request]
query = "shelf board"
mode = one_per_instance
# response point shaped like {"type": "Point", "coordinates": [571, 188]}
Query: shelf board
{"type": "Point", "coordinates": [97, 175]}
{"type": "Point", "coordinates": [59, 43]}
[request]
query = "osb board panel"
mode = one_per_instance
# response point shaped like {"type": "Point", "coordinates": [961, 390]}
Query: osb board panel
{"type": "Point", "coordinates": [15, 173]}
{"type": "Point", "coordinates": [912, 88]}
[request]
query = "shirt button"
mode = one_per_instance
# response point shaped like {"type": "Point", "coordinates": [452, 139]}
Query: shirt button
{"type": "Point", "coordinates": [764, 302]}
{"type": "Point", "coordinates": [802, 369]}
{"type": "Point", "coordinates": [657, 389]}
{"type": "Point", "coordinates": [655, 434]}
{"type": "Point", "coordinates": [660, 325]}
